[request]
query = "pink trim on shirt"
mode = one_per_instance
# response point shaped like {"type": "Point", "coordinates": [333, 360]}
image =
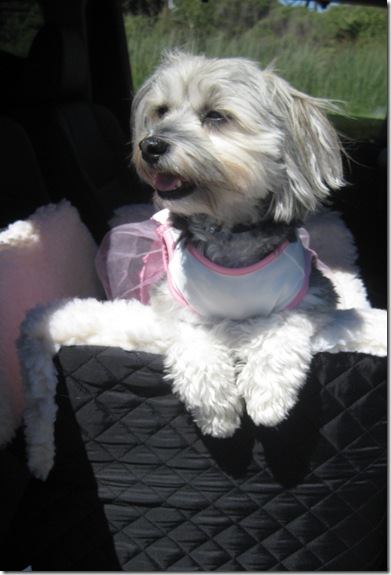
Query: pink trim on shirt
{"type": "Point", "coordinates": [236, 271]}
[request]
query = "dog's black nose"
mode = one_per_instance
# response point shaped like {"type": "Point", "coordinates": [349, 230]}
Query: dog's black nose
{"type": "Point", "coordinates": [152, 148]}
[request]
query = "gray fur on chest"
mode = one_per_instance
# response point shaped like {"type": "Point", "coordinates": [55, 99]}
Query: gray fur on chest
{"type": "Point", "coordinates": [234, 248]}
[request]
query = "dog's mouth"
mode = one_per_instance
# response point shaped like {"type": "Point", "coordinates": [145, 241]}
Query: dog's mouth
{"type": "Point", "coordinates": [172, 187]}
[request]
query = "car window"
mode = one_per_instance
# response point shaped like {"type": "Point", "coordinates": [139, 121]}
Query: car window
{"type": "Point", "coordinates": [20, 21]}
{"type": "Point", "coordinates": [338, 53]}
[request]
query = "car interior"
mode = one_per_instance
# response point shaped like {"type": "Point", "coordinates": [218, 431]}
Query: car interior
{"type": "Point", "coordinates": [65, 135]}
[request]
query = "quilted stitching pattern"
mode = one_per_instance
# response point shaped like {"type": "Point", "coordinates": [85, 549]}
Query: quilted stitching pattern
{"type": "Point", "coordinates": [310, 495]}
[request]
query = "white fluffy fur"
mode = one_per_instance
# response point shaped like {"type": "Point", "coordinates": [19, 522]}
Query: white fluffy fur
{"type": "Point", "coordinates": [246, 146]}
{"type": "Point", "coordinates": [49, 255]}
{"type": "Point", "coordinates": [132, 326]}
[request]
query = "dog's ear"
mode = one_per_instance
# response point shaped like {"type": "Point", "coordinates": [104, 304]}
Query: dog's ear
{"type": "Point", "coordinates": [311, 150]}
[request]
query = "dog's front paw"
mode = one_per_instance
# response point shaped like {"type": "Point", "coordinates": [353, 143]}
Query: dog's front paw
{"type": "Point", "coordinates": [203, 377]}
{"type": "Point", "coordinates": [274, 367]}
{"type": "Point", "coordinates": [270, 395]}
{"type": "Point", "coordinates": [269, 411]}
{"type": "Point", "coordinates": [218, 423]}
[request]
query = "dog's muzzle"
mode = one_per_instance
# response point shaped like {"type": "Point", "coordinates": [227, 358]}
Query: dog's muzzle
{"type": "Point", "coordinates": [152, 149]}
{"type": "Point", "coordinates": [168, 186]}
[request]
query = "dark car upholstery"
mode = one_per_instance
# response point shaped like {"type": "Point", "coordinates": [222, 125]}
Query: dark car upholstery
{"type": "Point", "coordinates": [82, 149]}
{"type": "Point", "coordinates": [22, 188]}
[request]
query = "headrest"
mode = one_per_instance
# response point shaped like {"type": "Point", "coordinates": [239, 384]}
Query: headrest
{"type": "Point", "coordinates": [57, 65]}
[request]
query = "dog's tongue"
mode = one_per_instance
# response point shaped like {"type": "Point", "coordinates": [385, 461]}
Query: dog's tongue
{"type": "Point", "coordinates": [166, 183]}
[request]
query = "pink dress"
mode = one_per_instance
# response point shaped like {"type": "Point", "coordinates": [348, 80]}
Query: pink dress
{"type": "Point", "coordinates": [134, 256]}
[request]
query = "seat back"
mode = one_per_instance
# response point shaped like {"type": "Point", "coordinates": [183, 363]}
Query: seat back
{"type": "Point", "coordinates": [81, 147]}
{"type": "Point", "coordinates": [22, 189]}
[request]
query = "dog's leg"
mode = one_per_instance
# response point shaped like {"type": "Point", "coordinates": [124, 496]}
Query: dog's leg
{"type": "Point", "coordinates": [275, 359]}
{"type": "Point", "coordinates": [203, 373]}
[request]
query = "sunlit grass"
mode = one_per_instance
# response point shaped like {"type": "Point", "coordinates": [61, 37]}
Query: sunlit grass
{"type": "Point", "coordinates": [349, 73]}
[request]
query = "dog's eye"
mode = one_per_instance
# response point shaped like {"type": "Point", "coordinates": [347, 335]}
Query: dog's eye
{"type": "Point", "coordinates": [214, 117]}
{"type": "Point", "coordinates": [161, 111]}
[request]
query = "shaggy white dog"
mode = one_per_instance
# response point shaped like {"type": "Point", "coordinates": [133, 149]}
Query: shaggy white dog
{"type": "Point", "coordinates": [238, 160]}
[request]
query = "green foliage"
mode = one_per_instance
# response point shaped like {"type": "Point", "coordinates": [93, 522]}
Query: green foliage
{"type": "Point", "coordinates": [357, 24]}
{"type": "Point", "coordinates": [340, 53]}
{"type": "Point", "coordinates": [234, 17]}
{"type": "Point", "coordinates": [18, 27]}
{"type": "Point", "coordinates": [191, 16]}
{"type": "Point", "coordinates": [337, 25]}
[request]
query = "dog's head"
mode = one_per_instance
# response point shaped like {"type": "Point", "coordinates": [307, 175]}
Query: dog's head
{"type": "Point", "coordinates": [218, 136]}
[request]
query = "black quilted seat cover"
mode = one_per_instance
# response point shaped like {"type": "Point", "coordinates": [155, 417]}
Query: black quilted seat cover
{"type": "Point", "coordinates": [140, 489]}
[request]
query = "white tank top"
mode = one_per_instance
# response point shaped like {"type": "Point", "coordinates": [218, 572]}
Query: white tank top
{"type": "Point", "coordinates": [276, 283]}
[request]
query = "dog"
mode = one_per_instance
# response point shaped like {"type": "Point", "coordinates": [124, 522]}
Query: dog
{"type": "Point", "coordinates": [223, 282]}
{"type": "Point", "coordinates": [237, 159]}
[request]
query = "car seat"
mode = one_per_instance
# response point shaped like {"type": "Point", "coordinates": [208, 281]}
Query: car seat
{"type": "Point", "coordinates": [21, 183]}
{"type": "Point", "coordinates": [82, 149]}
